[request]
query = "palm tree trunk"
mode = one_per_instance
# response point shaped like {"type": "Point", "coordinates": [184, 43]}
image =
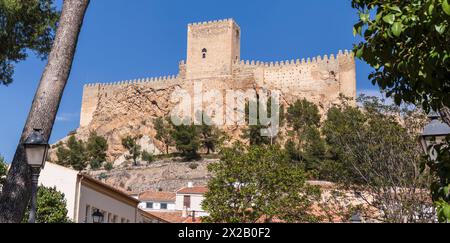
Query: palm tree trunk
{"type": "Point", "coordinates": [16, 191]}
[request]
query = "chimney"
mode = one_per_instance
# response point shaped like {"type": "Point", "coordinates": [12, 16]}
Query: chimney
{"type": "Point", "coordinates": [190, 184]}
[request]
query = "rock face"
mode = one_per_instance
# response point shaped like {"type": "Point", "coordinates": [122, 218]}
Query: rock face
{"type": "Point", "coordinates": [167, 175]}
{"type": "Point", "coordinates": [115, 110]}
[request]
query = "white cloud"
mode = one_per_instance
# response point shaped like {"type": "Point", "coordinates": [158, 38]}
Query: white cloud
{"type": "Point", "coordinates": [66, 117]}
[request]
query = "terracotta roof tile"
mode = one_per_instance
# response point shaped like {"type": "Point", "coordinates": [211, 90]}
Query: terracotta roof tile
{"type": "Point", "coordinates": [157, 196]}
{"type": "Point", "coordinates": [174, 217]}
{"type": "Point", "coordinates": [193, 190]}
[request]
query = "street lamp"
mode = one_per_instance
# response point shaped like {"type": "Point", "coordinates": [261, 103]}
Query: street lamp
{"type": "Point", "coordinates": [97, 217]}
{"type": "Point", "coordinates": [36, 148]}
{"type": "Point", "coordinates": [434, 134]}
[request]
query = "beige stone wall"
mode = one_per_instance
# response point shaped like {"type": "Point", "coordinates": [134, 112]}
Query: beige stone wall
{"type": "Point", "coordinates": [118, 109]}
{"type": "Point", "coordinates": [220, 40]}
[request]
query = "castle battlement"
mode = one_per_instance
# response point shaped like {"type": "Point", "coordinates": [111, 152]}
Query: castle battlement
{"type": "Point", "coordinates": [213, 56]}
{"type": "Point", "coordinates": [211, 22]}
{"type": "Point", "coordinates": [167, 78]}
{"type": "Point", "coordinates": [331, 59]}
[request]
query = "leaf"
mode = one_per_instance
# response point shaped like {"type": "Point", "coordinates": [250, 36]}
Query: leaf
{"type": "Point", "coordinates": [397, 29]}
{"type": "Point", "coordinates": [440, 28]}
{"type": "Point", "coordinates": [446, 211]}
{"type": "Point", "coordinates": [390, 18]}
{"type": "Point", "coordinates": [446, 7]}
{"type": "Point", "coordinates": [364, 17]}
{"type": "Point", "coordinates": [359, 52]}
{"type": "Point", "coordinates": [395, 8]}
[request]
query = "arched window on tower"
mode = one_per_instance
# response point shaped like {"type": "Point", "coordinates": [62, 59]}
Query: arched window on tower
{"type": "Point", "coordinates": [204, 51]}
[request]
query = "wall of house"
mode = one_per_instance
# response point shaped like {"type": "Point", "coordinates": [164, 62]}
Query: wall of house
{"type": "Point", "coordinates": [91, 199]}
{"type": "Point", "coordinates": [157, 206]}
{"type": "Point", "coordinates": [65, 181]}
{"type": "Point", "coordinates": [196, 203]}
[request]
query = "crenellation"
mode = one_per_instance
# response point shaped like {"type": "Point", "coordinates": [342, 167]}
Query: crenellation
{"type": "Point", "coordinates": [213, 55]}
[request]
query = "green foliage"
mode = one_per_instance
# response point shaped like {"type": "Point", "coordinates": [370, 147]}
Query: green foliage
{"type": "Point", "coordinates": [260, 184]}
{"type": "Point", "coordinates": [164, 130]}
{"type": "Point", "coordinates": [187, 140]}
{"type": "Point", "coordinates": [96, 148]}
{"type": "Point", "coordinates": [108, 166]}
{"type": "Point", "coordinates": [303, 114]}
{"type": "Point", "coordinates": [441, 185]}
{"type": "Point", "coordinates": [147, 156]}
{"type": "Point", "coordinates": [252, 133]}
{"type": "Point", "coordinates": [210, 136]}
{"type": "Point", "coordinates": [3, 169]}
{"type": "Point", "coordinates": [306, 144]}
{"type": "Point", "coordinates": [25, 25]}
{"type": "Point", "coordinates": [372, 152]}
{"type": "Point", "coordinates": [134, 149]}
{"type": "Point", "coordinates": [79, 154]}
{"type": "Point", "coordinates": [73, 154]}
{"type": "Point", "coordinates": [408, 44]}
{"type": "Point", "coordinates": [51, 207]}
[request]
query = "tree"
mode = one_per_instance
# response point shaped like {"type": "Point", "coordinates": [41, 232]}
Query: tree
{"type": "Point", "coordinates": [17, 189]}
{"type": "Point", "coordinates": [3, 169]}
{"type": "Point", "coordinates": [163, 129]}
{"type": "Point", "coordinates": [303, 114]}
{"type": "Point", "coordinates": [381, 160]}
{"type": "Point", "coordinates": [187, 140]}
{"type": "Point", "coordinates": [26, 25]}
{"type": "Point", "coordinates": [408, 44]}
{"type": "Point", "coordinates": [306, 144]}
{"type": "Point", "coordinates": [72, 153]}
{"type": "Point", "coordinates": [96, 148]}
{"type": "Point", "coordinates": [210, 136]}
{"type": "Point", "coordinates": [134, 149]}
{"type": "Point", "coordinates": [258, 185]}
{"type": "Point", "coordinates": [51, 207]}
{"type": "Point", "coordinates": [252, 133]}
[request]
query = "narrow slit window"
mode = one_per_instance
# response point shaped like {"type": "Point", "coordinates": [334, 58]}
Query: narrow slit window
{"type": "Point", "coordinates": [204, 51]}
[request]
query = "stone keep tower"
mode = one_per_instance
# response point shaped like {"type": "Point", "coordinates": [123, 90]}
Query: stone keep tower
{"type": "Point", "coordinates": [212, 49]}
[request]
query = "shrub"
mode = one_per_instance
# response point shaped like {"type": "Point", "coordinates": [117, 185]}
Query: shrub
{"type": "Point", "coordinates": [148, 157]}
{"type": "Point", "coordinates": [109, 166]}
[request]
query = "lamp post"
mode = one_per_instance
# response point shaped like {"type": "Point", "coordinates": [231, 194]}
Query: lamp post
{"type": "Point", "coordinates": [97, 217]}
{"type": "Point", "coordinates": [36, 148]}
{"type": "Point", "coordinates": [434, 134]}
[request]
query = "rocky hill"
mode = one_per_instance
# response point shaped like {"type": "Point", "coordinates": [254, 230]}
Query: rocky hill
{"type": "Point", "coordinates": [166, 175]}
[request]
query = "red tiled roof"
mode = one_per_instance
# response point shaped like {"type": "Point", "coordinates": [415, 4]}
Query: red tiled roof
{"type": "Point", "coordinates": [193, 190]}
{"type": "Point", "coordinates": [157, 196]}
{"type": "Point", "coordinates": [174, 217]}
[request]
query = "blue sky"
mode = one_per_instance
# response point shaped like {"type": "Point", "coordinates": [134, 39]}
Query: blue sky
{"type": "Point", "coordinates": [123, 40]}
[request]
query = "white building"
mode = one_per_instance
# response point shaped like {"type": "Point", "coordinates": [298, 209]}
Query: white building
{"type": "Point", "coordinates": [183, 206]}
{"type": "Point", "coordinates": [157, 201]}
{"type": "Point", "coordinates": [191, 198]}
{"type": "Point", "coordinates": [85, 195]}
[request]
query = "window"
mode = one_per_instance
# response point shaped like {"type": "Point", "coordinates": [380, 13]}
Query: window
{"type": "Point", "coordinates": [163, 205]}
{"type": "Point", "coordinates": [204, 51]}
{"type": "Point", "coordinates": [187, 201]}
{"type": "Point", "coordinates": [149, 205]}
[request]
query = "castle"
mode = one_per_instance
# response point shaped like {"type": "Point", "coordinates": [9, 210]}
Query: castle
{"type": "Point", "coordinates": [213, 57]}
